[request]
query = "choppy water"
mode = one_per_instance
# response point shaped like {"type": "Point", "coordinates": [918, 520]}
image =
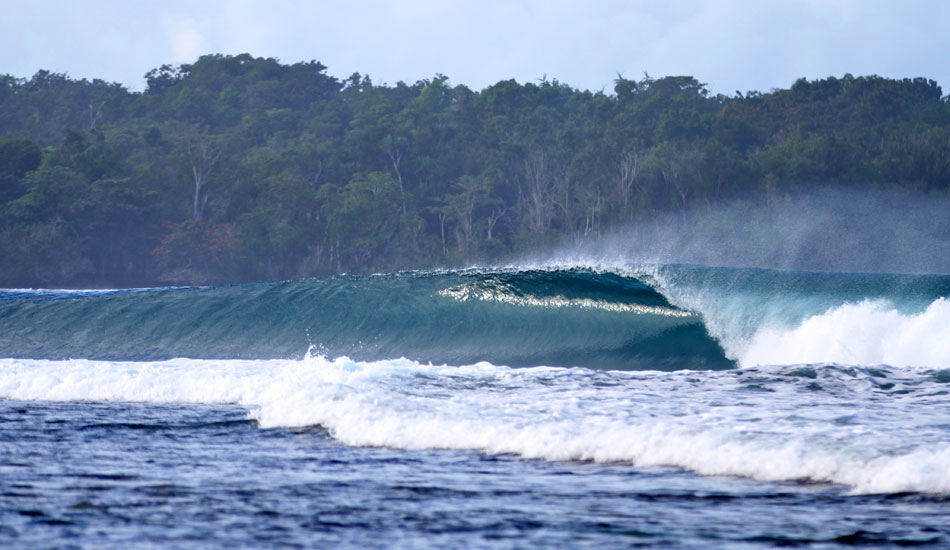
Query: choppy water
{"type": "Point", "coordinates": [670, 406]}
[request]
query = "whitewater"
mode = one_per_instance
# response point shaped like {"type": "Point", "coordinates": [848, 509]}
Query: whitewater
{"type": "Point", "coordinates": [550, 405]}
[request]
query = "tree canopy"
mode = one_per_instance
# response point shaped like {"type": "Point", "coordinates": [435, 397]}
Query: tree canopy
{"type": "Point", "coordinates": [236, 168]}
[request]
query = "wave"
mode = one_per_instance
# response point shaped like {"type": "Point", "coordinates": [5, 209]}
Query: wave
{"type": "Point", "coordinates": [654, 317]}
{"type": "Point", "coordinates": [871, 430]}
{"type": "Point", "coordinates": [764, 317]}
{"type": "Point", "coordinates": [864, 333]}
{"type": "Point", "coordinates": [512, 317]}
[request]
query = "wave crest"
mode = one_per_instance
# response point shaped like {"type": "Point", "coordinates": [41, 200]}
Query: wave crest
{"type": "Point", "coordinates": [870, 332]}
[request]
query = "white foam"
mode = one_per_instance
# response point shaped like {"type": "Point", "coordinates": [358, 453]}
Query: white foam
{"type": "Point", "coordinates": [56, 292]}
{"type": "Point", "coordinates": [865, 333]}
{"type": "Point", "coordinates": [713, 423]}
{"type": "Point", "coordinates": [505, 294]}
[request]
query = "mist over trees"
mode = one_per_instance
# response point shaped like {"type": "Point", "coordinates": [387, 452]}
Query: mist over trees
{"type": "Point", "coordinates": [236, 168]}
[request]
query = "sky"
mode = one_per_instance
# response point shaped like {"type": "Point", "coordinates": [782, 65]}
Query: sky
{"type": "Point", "coordinates": [731, 46]}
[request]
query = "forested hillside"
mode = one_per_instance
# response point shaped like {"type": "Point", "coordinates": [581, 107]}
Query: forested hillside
{"type": "Point", "coordinates": [237, 168]}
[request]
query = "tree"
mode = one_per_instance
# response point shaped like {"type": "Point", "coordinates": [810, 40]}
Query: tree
{"type": "Point", "coordinates": [18, 157]}
{"type": "Point", "coordinates": [238, 168]}
{"type": "Point", "coordinates": [203, 156]}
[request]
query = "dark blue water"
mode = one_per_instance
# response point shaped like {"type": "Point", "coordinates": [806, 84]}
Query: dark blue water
{"type": "Point", "coordinates": [107, 475]}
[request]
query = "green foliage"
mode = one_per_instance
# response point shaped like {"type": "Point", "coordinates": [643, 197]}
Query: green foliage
{"type": "Point", "coordinates": [236, 168]}
{"type": "Point", "coordinates": [17, 158]}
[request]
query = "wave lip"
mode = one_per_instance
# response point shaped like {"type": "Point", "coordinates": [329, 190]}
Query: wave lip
{"type": "Point", "coordinates": [871, 430]}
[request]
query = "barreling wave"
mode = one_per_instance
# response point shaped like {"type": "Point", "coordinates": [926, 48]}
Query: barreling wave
{"type": "Point", "coordinates": [630, 318]}
{"type": "Point", "coordinates": [553, 317]}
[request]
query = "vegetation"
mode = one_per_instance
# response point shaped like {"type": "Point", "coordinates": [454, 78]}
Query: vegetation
{"type": "Point", "coordinates": [237, 168]}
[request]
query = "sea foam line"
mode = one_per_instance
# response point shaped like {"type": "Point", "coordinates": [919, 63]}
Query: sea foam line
{"type": "Point", "coordinates": [705, 423]}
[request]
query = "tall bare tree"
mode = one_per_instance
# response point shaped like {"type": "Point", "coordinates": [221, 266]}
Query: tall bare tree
{"type": "Point", "coordinates": [203, 157]}
{"type": "Point", "coordinates": [629, 166]}
{"type": "Point", "coordinates": [95, 111]}
{"type": "Point", "coordinates": [538, 193]}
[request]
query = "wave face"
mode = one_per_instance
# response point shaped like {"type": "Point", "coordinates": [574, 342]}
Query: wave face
{"type": "Point", "coordinates": [511, 317]}
{"type": "Point", "coordinates": [628, 318]}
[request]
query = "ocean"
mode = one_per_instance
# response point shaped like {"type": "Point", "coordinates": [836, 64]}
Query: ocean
{"type": "Point", "coordinates": [669, 406]}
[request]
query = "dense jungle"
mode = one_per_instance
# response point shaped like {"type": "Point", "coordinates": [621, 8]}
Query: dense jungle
{"type": "Point", "coordinates": [235, 168]}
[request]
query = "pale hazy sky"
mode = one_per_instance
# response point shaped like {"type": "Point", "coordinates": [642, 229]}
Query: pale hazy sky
{"type": "Point", "coordinates": [730, 45]}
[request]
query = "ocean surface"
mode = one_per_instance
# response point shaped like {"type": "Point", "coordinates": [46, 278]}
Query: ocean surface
{"type": "Point", "coordinates": [668, 406]}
